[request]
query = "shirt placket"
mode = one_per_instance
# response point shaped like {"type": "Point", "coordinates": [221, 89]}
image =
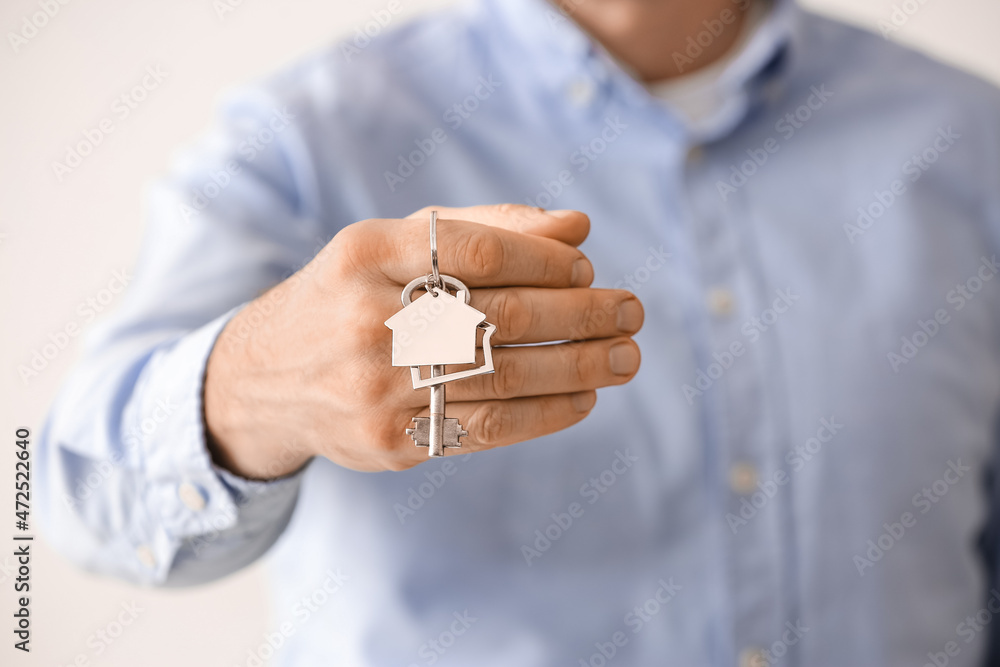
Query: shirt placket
{"type": "Point", "coordinates": [731, 366]}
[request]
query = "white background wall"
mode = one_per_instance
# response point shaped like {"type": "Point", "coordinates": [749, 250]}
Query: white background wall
{"type": "Point", "coordinates": [61, 241]}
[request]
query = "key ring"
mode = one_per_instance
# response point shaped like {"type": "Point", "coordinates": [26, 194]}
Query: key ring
{"type": "Point", "coordinates": [425, 282]}
{"type": "Point", "coordinates": [434, 281]}
{"type": "Point", "coordinates": [435, 274]}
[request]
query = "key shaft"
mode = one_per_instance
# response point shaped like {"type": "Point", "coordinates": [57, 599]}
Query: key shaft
{"type": "Point", "coordinates": [437, 414]}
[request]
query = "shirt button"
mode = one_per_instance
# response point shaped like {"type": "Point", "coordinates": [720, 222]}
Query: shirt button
{"type": "Point", "coordinates": [720, 301]}
{"type": "Point", "coordinates": [582, 92]}
{"type": "Point", "coordinates": [743, 478]}
{"type": "Point", "coordinates": [191, 496]}
{"type": "Point", "coordinates": [695, 154]}
{"type": "Point", "coordinates": [752, 657]}
{"type": "Point", "coordinates": [145, 556]}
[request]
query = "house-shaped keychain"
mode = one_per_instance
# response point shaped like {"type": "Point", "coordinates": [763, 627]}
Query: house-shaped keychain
{"type": "Point", "coordinates": [436, 329]}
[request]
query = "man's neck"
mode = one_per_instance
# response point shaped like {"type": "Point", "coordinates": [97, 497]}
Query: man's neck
{"type": "Point", "coordinates": [652, 38]}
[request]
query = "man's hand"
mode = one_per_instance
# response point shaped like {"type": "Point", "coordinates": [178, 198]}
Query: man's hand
{"type": "Point", "coordinates": [305, 370]}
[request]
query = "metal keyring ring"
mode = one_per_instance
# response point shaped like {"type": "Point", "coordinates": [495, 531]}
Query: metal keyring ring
{"type": "Point", "coordinates": [434, 251]}
{"type": "Point", "coordinates": [425, 282]}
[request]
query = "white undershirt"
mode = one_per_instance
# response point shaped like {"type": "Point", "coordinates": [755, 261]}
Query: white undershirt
{"type": "Point", "coordinates": [697, 96]}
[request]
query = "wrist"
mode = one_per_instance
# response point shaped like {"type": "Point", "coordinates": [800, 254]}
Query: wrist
{"type": "Point", "coordinates": [240, 425]}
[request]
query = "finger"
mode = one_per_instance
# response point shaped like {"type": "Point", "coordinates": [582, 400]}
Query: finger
{"type": "Point", "coordinates": [533, 315]}
{"type": "Point", "coordinates": [477, 254]}
{"type": "Point", "coordinates": [570, 227]}
{"type": "Point", "coordinates": [549, 369]}
{"type": "Point", "coordinates": [493, 424]}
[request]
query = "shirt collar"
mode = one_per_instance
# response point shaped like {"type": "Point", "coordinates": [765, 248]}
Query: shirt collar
{"type": "Point", "coordinates": [568, 56]}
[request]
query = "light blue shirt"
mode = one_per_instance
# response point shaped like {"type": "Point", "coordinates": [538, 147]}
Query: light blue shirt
{"type": "Point", "coordinates": [800, 466]}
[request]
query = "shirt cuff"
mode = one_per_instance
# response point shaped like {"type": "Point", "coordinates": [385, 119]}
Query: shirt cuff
{"type": "Point", "coordinates": [188, 503]}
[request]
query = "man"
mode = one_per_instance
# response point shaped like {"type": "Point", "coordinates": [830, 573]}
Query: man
{"type": "Point", "coordinates": [796, 476]}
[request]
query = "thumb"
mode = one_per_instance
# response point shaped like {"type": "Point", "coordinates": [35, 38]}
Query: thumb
{"type": "Point", "coordinates": [570, 227]}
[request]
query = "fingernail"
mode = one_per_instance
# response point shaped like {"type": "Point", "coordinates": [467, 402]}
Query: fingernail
{"type": "Point", "coordinates": [561, 213]}
{"type": "Point", "coordinates": [583, 401]}
{"type": "Point", "coordinates": [629, 316]}
{"type": "Point", "coordinates": [624, 359]}
{"type": "Point", "coordinates": [583, 273]}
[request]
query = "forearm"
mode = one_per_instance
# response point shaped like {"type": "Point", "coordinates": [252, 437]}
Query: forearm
{"type": "Point", "coordinates": [129, 487]}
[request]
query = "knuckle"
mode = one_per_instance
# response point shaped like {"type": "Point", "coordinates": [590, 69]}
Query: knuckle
{"type": "Point", "coordinates": [596, 315]}
{"type": "Point", "coordinates": [507, 208]}
{"type": "Point", "coordinates": [583, 366]}
{"type": "Point", "coordinates": [424, 213]}
{"type": "Point", "coordinates": [493, 421]}
{"type": "Point", "coordinates": [353, 250]}
{"type": "Point", "coordinates": [355, 235]}
{"type": "Point", "coordinates": [511, 376]}
{"type": "Point", "coordinates": [513, 317]}
{"type": "Point", "coordinates": [374, 396]}
{"type": "Point", "coordinates": [396, 464]}
{"type": "Point", "coordinates": [554, 269]}
{"type": "Point", "coordinates": [519, 214]}
{"type": "Point", "coordinates": [481, 254]}
{"type": "Point", "coordinates": [588, 324]}
{"type": "Point", "coordinates": [381, 429]}
{"type": "Point", "coordinates": [383, 440]}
